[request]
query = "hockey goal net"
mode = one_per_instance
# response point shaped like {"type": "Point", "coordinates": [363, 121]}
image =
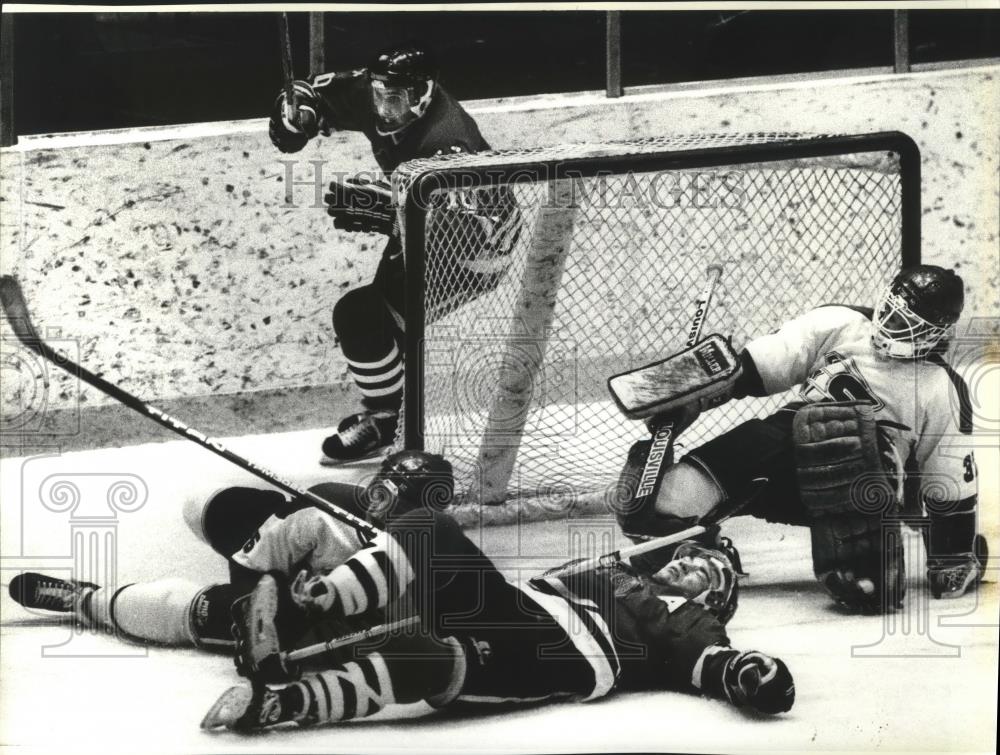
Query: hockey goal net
{"type": "Point", "coordinates": [534, 275]}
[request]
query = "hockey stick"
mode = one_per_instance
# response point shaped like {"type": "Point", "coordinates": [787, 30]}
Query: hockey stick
{"type": "Point", "coordinates": [701, 304]}
{"type": "Point", "coordinates": [348, 639]}
{"type": "Point", "coordinates": [287, 71]}
{"type": "Point", "coordinates": [656, 543]}
{"type": "Point", "coordinates": [16, 309]}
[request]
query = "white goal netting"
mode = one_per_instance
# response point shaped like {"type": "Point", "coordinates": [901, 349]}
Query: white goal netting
{"type": "Point", "coordinates": [529, 303]}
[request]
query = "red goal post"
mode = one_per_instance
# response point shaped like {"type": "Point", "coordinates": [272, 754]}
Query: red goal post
{"type": "Point", "coordinates": [532, 275]}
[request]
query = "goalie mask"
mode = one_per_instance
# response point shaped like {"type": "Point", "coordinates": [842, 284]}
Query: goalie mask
{"type": "Point", "coordinates": [916, 311]}
{"type": "Point", "coordinates": [409, 480]}
{"type": "Point", "coordinates": [402, 86]}
{"type": "Point", "coordinates": [703, 575]}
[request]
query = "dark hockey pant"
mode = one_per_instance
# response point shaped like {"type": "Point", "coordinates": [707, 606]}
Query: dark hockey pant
{"type": "Point", "coordinates": [515, 651]}
{"type": "Point", "coordinates": [370, 320]}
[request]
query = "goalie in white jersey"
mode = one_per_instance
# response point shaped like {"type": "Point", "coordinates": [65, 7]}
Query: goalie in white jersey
{"type": "Point", "coordinates": [882, 425]}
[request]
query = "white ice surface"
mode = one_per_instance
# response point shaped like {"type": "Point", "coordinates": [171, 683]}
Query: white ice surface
{"type": "Point", "coordinates": [104, 695]}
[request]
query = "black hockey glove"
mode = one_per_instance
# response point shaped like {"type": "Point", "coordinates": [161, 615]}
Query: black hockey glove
{"type": "Point", "coordinates": [289, 131]}
{"type": "Point", "coordinates": [759, 681]}
{"type": "Point", "coordinates": [358, 204]}
{"type": "Point", "coordinates": [264, 622]}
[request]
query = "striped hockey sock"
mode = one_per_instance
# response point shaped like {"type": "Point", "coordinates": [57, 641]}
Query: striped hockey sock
{"type": "Point", "coordinates": [355, 690]}
{"type": "Point", "coordinates": [380, 381]}
{"type": "Point", "coordinates": [407, 671]}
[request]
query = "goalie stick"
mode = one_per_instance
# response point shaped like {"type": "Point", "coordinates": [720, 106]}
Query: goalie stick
{"type": "Point", "coordinates": [654, 468]}
{"type": "Point", "coordinates": [653, 544]}
{"type": "Point", "coordinates": [16, 309]}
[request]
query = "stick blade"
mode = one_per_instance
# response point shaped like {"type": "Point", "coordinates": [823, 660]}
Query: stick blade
{"type": "Point", "coordinates": [16, 309]}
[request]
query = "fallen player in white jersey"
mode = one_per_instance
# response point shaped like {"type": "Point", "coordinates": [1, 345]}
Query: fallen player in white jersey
{"type": "Point", "coordinates": [257, 531]}
{"type": "Point", "coordinates": [877, 405]}
{"type": "Point", "coordinates": [484, 641]}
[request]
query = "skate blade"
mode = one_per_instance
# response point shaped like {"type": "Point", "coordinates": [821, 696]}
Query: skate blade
{"type": "Point", "coordinates": [229, 708]}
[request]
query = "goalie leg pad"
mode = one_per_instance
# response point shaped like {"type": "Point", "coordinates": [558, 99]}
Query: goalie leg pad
{"type": "Point", "coordinates": [656, 497]}
{"type": "Point", "coordinates": [859, 560]}
{"type": "Point", "coordinates": [838, 463]}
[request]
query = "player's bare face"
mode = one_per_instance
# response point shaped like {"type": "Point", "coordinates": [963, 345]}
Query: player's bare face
{"type": "Point", "coordinates": [690, 576]}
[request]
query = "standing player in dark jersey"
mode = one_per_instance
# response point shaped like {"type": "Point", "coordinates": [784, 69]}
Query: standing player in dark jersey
{"type": "Point", "coordinates": [398, 104]}
{"type": "Point", "coordinates": [877, 405]}
{"type": "Point", "coordinates": [485, 641]}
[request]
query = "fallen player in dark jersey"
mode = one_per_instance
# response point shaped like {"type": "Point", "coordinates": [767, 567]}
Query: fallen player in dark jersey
{"type": "Point", "coordinates": [484, 641]}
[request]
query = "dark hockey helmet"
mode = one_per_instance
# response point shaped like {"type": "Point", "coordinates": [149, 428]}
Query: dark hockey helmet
{"type": "Point", "coordinates": [722, 594]}
{"type": "Point", "coordinates": [408, 480]}
{"type": "Point", "coordinates": [916, 310]}
{"type": "Point", "coordinates": [402, 82]}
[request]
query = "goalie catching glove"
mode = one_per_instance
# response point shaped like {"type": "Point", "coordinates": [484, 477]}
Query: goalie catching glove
{"type": "Point", "coordinates": [692, 380]}
{"type": "Point", "coordinates": [357, 204]}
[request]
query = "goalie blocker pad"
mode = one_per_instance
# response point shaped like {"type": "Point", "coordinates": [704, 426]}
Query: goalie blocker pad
{"type": "Point", "coordinates": [705, 373]}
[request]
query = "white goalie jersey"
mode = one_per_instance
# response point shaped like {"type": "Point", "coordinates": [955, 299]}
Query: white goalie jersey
{"type": "Point", "coordinates": [922, 405]}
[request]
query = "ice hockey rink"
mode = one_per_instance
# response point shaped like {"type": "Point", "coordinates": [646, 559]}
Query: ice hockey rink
{"type": "Point", "coordinates": [173, 217]}
{"type": "Point", "coordinates": [923, 680]}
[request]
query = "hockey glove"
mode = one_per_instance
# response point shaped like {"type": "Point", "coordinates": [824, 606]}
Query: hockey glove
{"type": "Point", "coordinates": [290, 130]}
{"type": "Point", "coordinates": [358, 204]}
{"type": "Point", "coordinates": [759, 681]}
{"type": "Point", "coordinates": [263, 623]}
{"type": "Point", "coordinates": [314, 594]}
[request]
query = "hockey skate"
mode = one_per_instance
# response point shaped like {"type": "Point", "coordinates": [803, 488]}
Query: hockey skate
{"type": "Point", "coordinates": [33, 590]}
{"type": "Point", "coordinates": [955, 576]}
{"type": "Point", "coordinates": [246, 708]}
{"type": "Point", "coordinates": [360, 436]}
